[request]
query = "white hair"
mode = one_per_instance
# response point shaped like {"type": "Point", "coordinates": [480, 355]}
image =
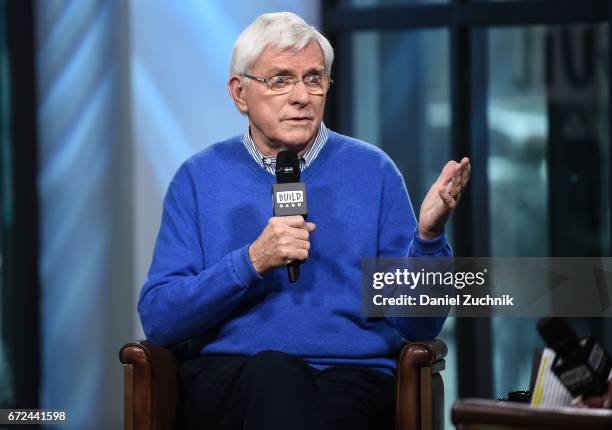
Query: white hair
{"type": "Point", "coordinates": [282, 30]}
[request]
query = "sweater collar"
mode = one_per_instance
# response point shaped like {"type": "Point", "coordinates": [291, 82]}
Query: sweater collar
{"type": "Point", "coordinates": [268, 162]}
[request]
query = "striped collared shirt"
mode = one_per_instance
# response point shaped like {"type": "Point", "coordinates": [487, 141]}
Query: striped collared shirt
{"type": "Point", "coordinates": [269, 162]}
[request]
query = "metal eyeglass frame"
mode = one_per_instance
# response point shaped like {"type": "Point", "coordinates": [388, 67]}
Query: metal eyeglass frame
{"type": "Point", "coordinates": [293, 82]}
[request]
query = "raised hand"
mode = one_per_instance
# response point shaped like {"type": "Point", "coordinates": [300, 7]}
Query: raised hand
{"type": "Point", "coordinates": [442, 198]}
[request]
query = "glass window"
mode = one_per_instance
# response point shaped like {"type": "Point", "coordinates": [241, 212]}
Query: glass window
{"type": "Point", "coordinates": [548, 165]}
{"type": "Point", "coordinates": [400, 102]}
{"type": "Point", "coordinates": [538, 103]}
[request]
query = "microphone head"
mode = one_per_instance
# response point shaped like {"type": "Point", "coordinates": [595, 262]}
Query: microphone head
{"type": "Point", "coordinates": [557, 334]}
{"type": "Point", "coordinates": [287, 167]}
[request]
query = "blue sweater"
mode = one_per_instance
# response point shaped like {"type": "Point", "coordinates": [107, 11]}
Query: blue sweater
{"type": "Point", "coordinates": [202, 285]}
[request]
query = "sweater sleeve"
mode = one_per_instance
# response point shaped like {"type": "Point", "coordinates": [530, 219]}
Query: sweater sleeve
{"type": "Point", "coordinates": [398, 233]}
{"type": "Point", "coordinates": [181, 298]}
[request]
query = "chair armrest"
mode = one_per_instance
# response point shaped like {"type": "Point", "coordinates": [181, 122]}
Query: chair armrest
{"type": "Point", "coordinates": [150, 386]}
{"type": "Point", "coordinates": [422, 353]}
{"type": "Point", "coordinates": [419, 391]}
{"type": "Point", "coordinates": [490, 415]}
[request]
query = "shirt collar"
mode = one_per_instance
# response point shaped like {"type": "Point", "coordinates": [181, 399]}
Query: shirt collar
{"type": "Point", "coordinates": [268, 162]}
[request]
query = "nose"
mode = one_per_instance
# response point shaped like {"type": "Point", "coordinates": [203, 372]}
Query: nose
{"type": "Point", "coordinates": [299, 94]}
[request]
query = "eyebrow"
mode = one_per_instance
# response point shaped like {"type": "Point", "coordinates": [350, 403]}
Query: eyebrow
{"type": "Point", "coordinates": [287, 72]}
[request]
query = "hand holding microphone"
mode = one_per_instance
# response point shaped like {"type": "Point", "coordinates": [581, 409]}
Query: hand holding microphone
{"type": "Point", "coordinates": [283, 240]}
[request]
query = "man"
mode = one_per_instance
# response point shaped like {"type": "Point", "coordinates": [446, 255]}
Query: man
{"type": "Point", "coordinates": [274, 354]}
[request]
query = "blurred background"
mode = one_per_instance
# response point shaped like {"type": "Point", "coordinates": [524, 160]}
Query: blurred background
{"type": "Point", "coordinates": [101, 101]}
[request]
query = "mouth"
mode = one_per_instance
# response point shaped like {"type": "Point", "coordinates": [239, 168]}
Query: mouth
{"type": "Point", "coordinates": [298, 120]}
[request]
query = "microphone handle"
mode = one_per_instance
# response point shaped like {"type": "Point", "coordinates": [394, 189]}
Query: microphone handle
{"type": "Point", "coordinates": [293, 271]}
{"type": "Point", "coordinates": [293, 268]}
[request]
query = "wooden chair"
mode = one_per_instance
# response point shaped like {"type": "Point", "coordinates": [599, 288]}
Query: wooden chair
{"type": "Point", "coordinates": [151, 393]}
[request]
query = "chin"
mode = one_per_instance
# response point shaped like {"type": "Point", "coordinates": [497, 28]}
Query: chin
{"type": "Point", "coordinates": [297, 137]}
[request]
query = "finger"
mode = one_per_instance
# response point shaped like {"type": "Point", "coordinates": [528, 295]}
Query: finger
{"type": "Point", "coordinates": [299, 233]}
{"type": "Point", "coordinates": [449, 188]}
{"type": "Point", "coordinates": [310, 226]}
{"type": "Point", "coordinates": [447, 171]}
{"type": "Point", "coordinates": [301, 244]}
{"type": "Point", "coordinates": [299, 254]}
{"type": "Point", "coordinates": [452, 167]}
{"type": "Point", "coordinates": [446, 197]}
{"type": "Point", "coordinates": [466, 169]}
{"type": "Point", "coordinates": [446, 182]}
{"type": "Point", "coordinates": [455, 185]}
{"type": "Point", "coordinates": [291, 221]}
{"type": "Point", "coordinates": [454, 175]}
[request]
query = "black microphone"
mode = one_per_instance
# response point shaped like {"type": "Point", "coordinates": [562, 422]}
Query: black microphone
{"type": "Point", "coordinates": [582, 365]}
{"type": "Point", "coordinates": [289, 196]}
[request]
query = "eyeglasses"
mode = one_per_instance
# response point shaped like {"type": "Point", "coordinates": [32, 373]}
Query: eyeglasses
{"type": "Point", "coordinates": [280, 84]}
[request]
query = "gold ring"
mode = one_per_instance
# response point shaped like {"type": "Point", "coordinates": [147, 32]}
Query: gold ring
{"type": "Point", "coordinates": [455, 194]}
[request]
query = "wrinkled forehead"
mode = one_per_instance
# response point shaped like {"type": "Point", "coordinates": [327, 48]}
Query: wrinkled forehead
{"type": "Point", "coordinates": [290, 59]}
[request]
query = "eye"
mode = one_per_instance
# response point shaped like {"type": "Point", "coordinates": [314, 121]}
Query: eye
{"type": "Point", "coordinates": [280, 81]}
{"type": "Point", "coordinates": [314, 79]}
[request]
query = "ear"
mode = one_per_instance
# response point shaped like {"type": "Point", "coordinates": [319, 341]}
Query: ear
{"type": "Point", "coordinates": [236, 88]}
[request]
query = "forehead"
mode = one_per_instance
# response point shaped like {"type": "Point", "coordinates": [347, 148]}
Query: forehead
{"type": "Point", "coordinates": [272, 57]}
